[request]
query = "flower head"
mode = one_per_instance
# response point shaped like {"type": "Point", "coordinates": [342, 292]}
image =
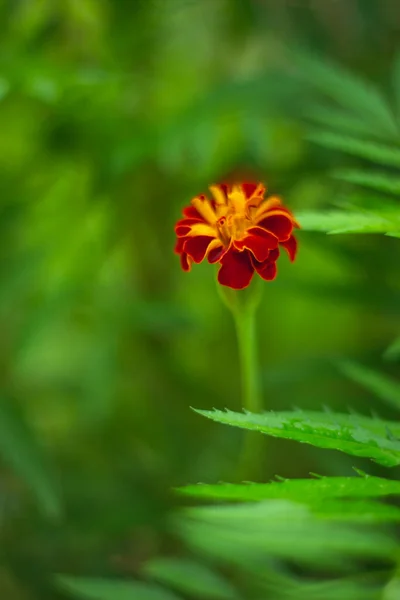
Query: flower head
{"type": "Point", "coordinates": [238, 228]}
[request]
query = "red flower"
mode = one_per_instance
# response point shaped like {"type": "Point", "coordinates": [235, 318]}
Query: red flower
{"type": "Point", "coordinates": [238, 228]}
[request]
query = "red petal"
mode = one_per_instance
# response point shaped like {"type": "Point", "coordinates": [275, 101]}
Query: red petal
{"type": "Point", "coordinates": [197, 246]}
{"type": "Point", "coordinates": [249, 189]}
{"type": "Point", "coordinates": [266, 270]}
{"type": "Point", "coordinates": [179, 245]}
{"type": "Point", "coordinates": [273, 255]}
{"type": "Point", "coordinates": [259, 242]}
{"type": "Point", "coordinates": [182, 230]}
{"type": "Point", "coordinates": [185, 225]}
{"type": "Point", "coordinates": [280, 225]}
{"type": "Point", "coordinates": [185, 262]}
{"type": "Point", "coordinates": [216, 254]}
{"type": "Point", "coordinates": [236, 270]}
{"type": "Point", "coordinates": [191, 213]}
{"type": "Point", "coordinates": [291, 247]}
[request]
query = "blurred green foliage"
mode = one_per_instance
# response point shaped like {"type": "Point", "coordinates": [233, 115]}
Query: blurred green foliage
{"type": "Point", "coordinates": [112, 116]}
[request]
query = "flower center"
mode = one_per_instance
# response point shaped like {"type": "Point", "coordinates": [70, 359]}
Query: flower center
{"type": "Point", "coordinates": [233, 225]}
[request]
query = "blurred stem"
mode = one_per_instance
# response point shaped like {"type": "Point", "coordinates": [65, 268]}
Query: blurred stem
{"type": "Point", "coordinates": [243, 305]}
{"type": "Point", "coordinates": [245, 323]}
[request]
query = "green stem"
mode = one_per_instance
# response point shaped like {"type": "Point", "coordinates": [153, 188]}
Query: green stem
{"type": "Point", "coordinates": [247, 344]}
{"type": "Point", "coordinates": [243, 305]}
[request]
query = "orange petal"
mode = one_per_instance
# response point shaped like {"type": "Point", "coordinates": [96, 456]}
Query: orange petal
{"type": "Point", "coordinates": [219, 192]}
{"type": "Point", "coordinates": [195, 229]}
{"type": "Point", "coordinates": [203, 206]}
{"type": "Point", "coordinates": [237, 199]}
{"type": "Point", "coordinates": [269, 204]}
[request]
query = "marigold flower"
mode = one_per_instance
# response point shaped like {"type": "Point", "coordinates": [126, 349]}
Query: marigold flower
{"type": "Point", "coordinates": [238, 228]}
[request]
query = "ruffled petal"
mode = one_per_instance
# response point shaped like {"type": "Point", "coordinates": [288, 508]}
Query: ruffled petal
{"type": "Point", "coordinates": [267, 269]}
{"type": "Point", "coordinates": [280, 225]}
{"type": "Point", "coordinates": [186, 262]}
{"type": "Point", "coordinates": [236, 271]}
{"type": "Point", "coordinates": [273, 255]}
{"type": "Point", "coordinates": [259, 242]}
{"type": "Point", "coordinates": [197, 247]}
{"type": "Point", "coordinates": [216, 253]}
{"type": "Point", "coordinates": [291, 247]}
{"type": "Point", "coordinates": [186, 224]}
{"type": "Point", "coordinates": [179, 245]}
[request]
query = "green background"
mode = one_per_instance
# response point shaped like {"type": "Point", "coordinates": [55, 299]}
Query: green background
{"type": "Point", "coordinates": [113, 115]}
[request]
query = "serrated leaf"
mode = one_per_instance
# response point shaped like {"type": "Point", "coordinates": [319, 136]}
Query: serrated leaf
{"type": "Point", "coordinates": [247, 534]}
{"type": "Point", "coordinates": [108, 589]}
{"type": "Point", "coordinates": [190, 577]}
{"type": "Point", "coordinates": [382, 386]}
{"type": "Point", "coordinates": [21, 450]}
{"type": "Point", "coordinates": [377, 153]}
{"type": "Point", "coordinates": [380, 181]}
{"type": "Point", "coordinates": [393, 352]}
{"type": "Point", "coordinates": [328, 497]}
{"type": "Point", "coordinates": [307, 490]}
{"type": "Point", "coordinates": [337, 221]}
{"type": "Point", "coordinates": [353, 434]}
{"type": "Point", "coordinates": [348, 90]}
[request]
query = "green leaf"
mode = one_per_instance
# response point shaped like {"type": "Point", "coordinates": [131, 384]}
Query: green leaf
{"type": "Point", "coordinates": [303, 490]}
{"type": "Point", "coordinates": [383, 386]}
{"type": "Point", "coordinates": [393, 352]}
{"type": "Point", "coordinates": [356, 512]}
{"type": "Point", "coordinates": [337, 221]}
{"type": "Point", "coordinates": [352, 434]}
{"type": "Point", "coordinates": [392, 589]}
{"type": "Point", "coordinates": [396, 82]}
{"type": "Point", "coordinates": [21, 450]}
{"type": "Point", "coordinates": [380, 181]}
{"type": "Point", "coordinates": [190, 577]}
{"type": "Point", "coordinates": [348, 90]}
{"type": "Point", "coordinates": [248, 534]}
{"type": "Point", "coordinates": [328, 497]}
{"type": "Point", "coordinates": [108, 589]}
{"type": "Point", "coordinates": [342, 122]}
{"type": "Point", "coordinates": [281, 586]}
{"type": "Point", "coordinates": [377, 153]}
